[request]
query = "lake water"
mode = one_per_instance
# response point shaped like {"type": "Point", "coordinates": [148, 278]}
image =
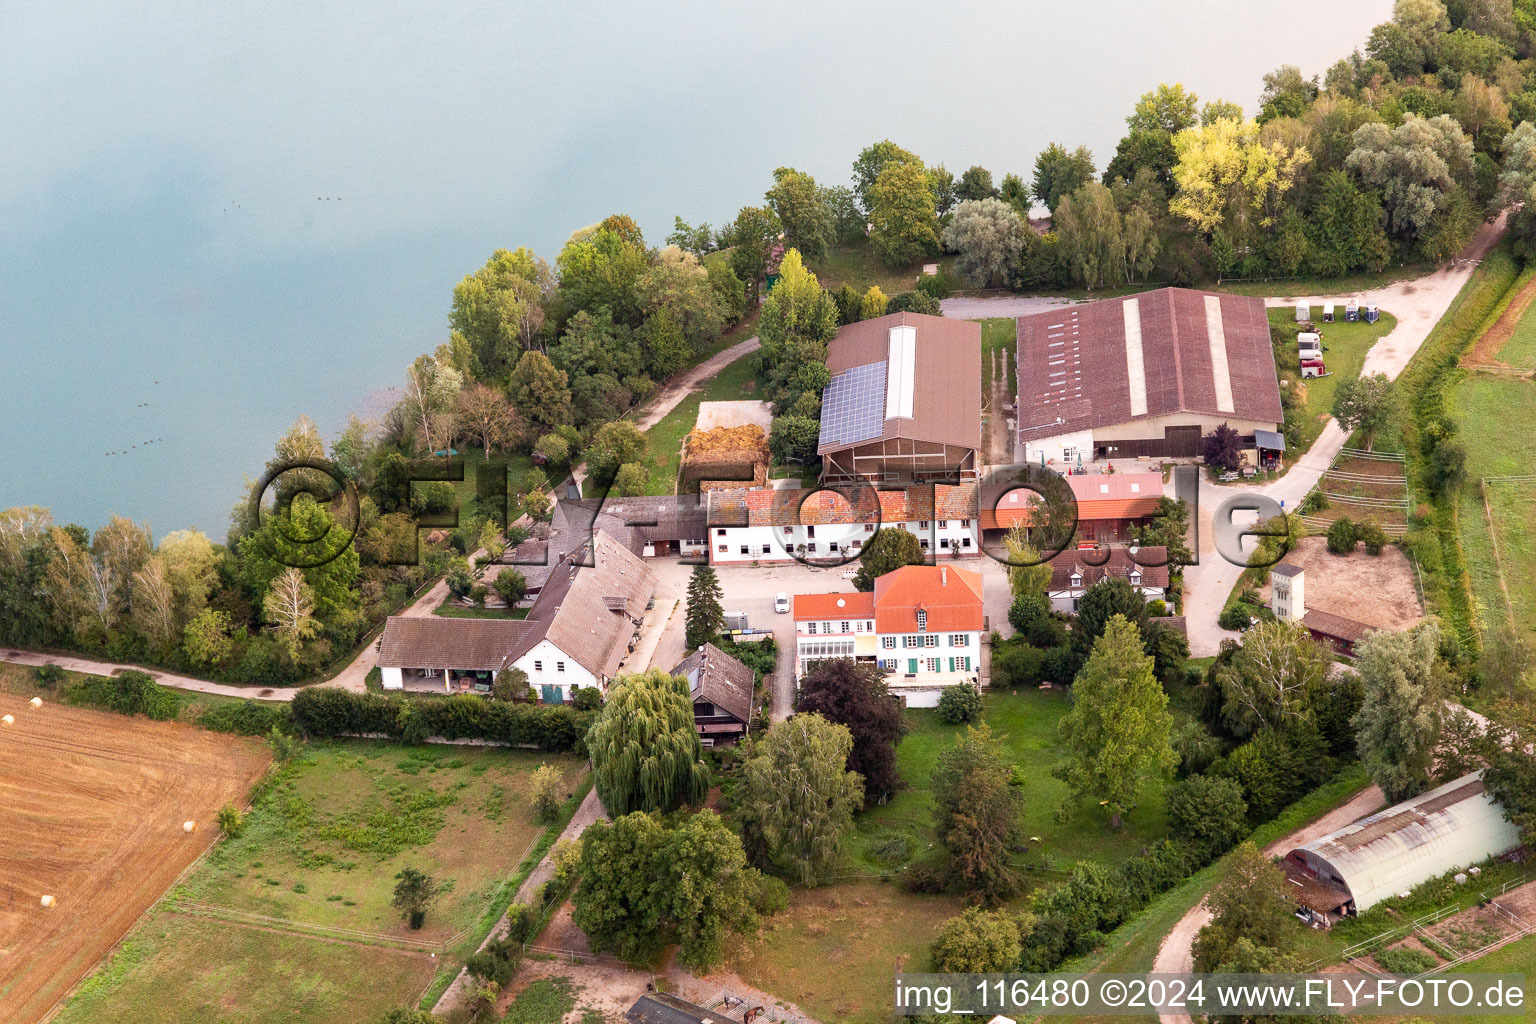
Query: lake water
{"type": "Point", "coordinates": [217, 217]}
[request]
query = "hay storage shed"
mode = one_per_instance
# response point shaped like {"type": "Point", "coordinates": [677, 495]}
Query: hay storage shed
{"type": "Point", "coordinates": [1389, 852]}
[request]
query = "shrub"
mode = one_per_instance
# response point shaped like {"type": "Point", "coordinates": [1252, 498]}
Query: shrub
{"type": "Point", "coordinates": [231, 821]}
{"type": "Point", "coordinates": [586, 698]}
{"type": "Point", "coordinates": [976, 941]}
{"type": "Point", "coordinates": [330, 711]}
{"type": "Point", "coordinates": [521, 920]}
{"type": "Point", "coordinates": [1342, 535]}
{"type": "Point", "coordinates": [477, 594]}
{"type": "Point", "coordinates": [891, 848]}
{"type": "Point", "coordinates": [1316, 501]}
{"type": "Point", "coordinates": [1208, 812]}
{"type": "Point", "coordinates": [48, 675]}
{"type": "Point", "coordinates": [960, 704]}
{"type": "Point", "coordinates": [128, 693]}
{"type": "Point", "coordinates": [546, 786]}
{"type": "Point", "coordinates": [496, 962]}
{"type": "Point", "coordinates": [1404, 961]}
{"type": "Point", "coordinates": [1234, 616]}
{"type": "Point", "coordinates": [246, 718]}
{"type": "Point", "coordinates": [937, 286]}
{"type": "Point", "coordinates": [1371, 533]}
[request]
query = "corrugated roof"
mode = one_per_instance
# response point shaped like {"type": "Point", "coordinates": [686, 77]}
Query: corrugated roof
{"type": "Point", "coordinates": [1452, 826]}
{"type": "Point", "coordinates": [722, 680]}
{"type": "Point", "coordinates": [949, 596]}
{"type": "Point", "coordinates": [660, 1008]}
{"type": "Point", "coordinates": [947, 371]}
{"type": "Point", "coordinates": [1160, 352]}
{"type": "Point", "coordinates": [1333, 625]}
{"type": "Point", "coordinates": [1119, 565]}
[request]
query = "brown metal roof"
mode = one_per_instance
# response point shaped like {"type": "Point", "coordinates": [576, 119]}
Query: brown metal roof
{"type": "Point", "coordinates": [428, 641]}
{"type": "Point", "coordinates": [1336, 626]}
{"type": "Point", "coordinates": [720, 679]}
{"type": "Point", "coordinates": [947, 397]}
{"type": "Point", "coordinates": [1074, 373]}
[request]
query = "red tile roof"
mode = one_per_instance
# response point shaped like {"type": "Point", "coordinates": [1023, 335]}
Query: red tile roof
{"type": "Point", "coordinates": [950, 596]}
{"type": "Point", "coordinates": [1099, 496]}
{"type": "Point", "coordinates": [1074, 374]}
{"type": "Point", "coordinates": [796, 506]}
{"type": "Point", "coordinates": [833, 606]}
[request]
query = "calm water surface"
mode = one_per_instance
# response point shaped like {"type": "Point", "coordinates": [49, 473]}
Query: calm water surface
{"type": "Point", "coordinates": [216, 217]}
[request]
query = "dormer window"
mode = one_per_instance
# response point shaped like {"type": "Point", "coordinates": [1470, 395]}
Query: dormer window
{"type": "Point", "coordinates": [922, 620]}
{"type": "Point", "coordinates": [1077, 579]}
{"type": "Point", "coordinates": [1136, 576]}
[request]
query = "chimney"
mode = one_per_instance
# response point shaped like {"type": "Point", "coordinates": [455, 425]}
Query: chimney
{"type": "Point", "coordinates": [943, 575]}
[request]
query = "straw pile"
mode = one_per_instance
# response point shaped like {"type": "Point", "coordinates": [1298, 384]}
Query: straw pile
{"type": "Point", "coordinates": [737, 454]}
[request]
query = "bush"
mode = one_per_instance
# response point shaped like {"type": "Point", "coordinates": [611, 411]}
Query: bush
{"type": "Point", "coordinates": [1342, 535]}
{"type": "Point", "coordinates": [231, 821]}
{"type": "Point", "coordinates": [891, 849]}
{"type": "Point", "coordinates": [1404, 961]}
{"type": "Point", "coordinates": [128, 693]}
{"type": "Point", "coordinates": [48, 675]}
{"type": "Point", "coordinates": [1208, 812]}
{"type": "Point", "coordinates": [915, 302]}
{"type": "Point", "coordinates": [960, 704]}
{"type": "Point", "coordinates": [976, 941]}
{"type": "Point", "coordinates": [1234, 616]}
{"type": "Point", "coordinates": [521, 921]}
{"type": "Point", "coordinates": [1371, 533]}
{"type": "Point", "coordinates": [246, 718]}
{"type": "Point", "coordinates": [330, 711]}
{"type": "Point", "coordinates": [586, 698]}
{"type": "Point", "coordinates": [496, 962]}
{"type": "Point", "coordinates": [937, 286]}
{"type": "Point", "coordinates": [1316, 501]}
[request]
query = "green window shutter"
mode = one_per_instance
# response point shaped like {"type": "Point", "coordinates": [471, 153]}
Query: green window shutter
{"type": "Point", "coordinates": [951, 664]}
{"type": "Point", "coordinates": [912, 665]}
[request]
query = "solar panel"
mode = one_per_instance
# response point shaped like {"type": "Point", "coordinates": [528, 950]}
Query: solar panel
{"type": "Point", "coordinates": [853, 406]}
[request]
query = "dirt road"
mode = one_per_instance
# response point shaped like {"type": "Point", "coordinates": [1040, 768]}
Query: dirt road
{"type": "Point", "coordinates": [680, 387]}
{"type": "Point", "coordinates": [1176, 954]}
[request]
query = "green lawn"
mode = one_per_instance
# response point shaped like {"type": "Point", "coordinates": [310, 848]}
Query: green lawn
{"type": "Point", "coordinates": [999, 332]}
{"type": "Point", "coordinates": [1025, 724]}
{"type": "Point", "coordinates": [1495, 417]}
{"type": "Point", "coordinates": [449, 610]}
{"type": "Point", "coordinates": [1345, 346]}
{"type": "Point", "coordinates": [857, 264]}
{"type": "Point", "coordinates": [321, 850]}
{"type": "Point", "coordinates": [733, 383]}
{"type": "Point", "coordinates": [1520, 349]}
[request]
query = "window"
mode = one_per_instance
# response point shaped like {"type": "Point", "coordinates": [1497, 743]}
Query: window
{"type": "Point", "coordinates": [845, 626]}
{"type": "Point", "coordinates": [957, 639]}
{"type": "Point", "coordinates": [931, 640]}
{"type": "Point", "coordinates": [745, 550]}
{"type": "Point", "coordinates": [1077, 579]}
{"type": "Point", "coordinates": [811, 547]}
{"type": "Point", "coordinates": [719, 533]}
{"type": "Point", "coordinates": [559, 666]}
{"type": "Point", "coordinates": [857, 544]}
{"type": "Point", "coordinates": [810, 627]}
{"type": "Point", "coordinates": [931, 664]}
{"type": "Point", "coordinates": [922, 524]}
{"type": "Point", "coordinates": [789, 529]}
{"type": "Point", "coordinates": [965, 524]}
{"type": "Point", "coordinates": [913, 640]}
{"type": "Point", "coordinates": [869, 527]}
{"type": "Point", "coordinates": [858, 626]}
{"type": "Point", "coordinates": [889, 664]}
{"type": "Point", "coordinates": [723, 548]}
{"type": "Point", "coordinates": [964, 663]}
{"type": "Point", "coordinates": [538, 666]}
{"type": "Point", "coordinates": [924, 543]}
{"type": "Point", "coordinates": [767, 549]}
{"type": "Point", "coordinates": [944, 544]}
{"type": "Point", "coordinates": [832, 546]}
{"type": "Point", "coordinates": [888, 642]}
{"type": "Point", "coordinates": [922, 619]}
{"type": "Point", "coordinates": [869, 625]}
{"type": "Point", "coordinates": [965, 542]}
{"type": "Point", "coordinates": [943, 524]}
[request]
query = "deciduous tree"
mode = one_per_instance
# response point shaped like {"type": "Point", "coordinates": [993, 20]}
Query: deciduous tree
{"type": "Point", "coordinates": [1252, 901]}
{"type": "Point", "coordinates": [1363, 404]}
{"type": "Point", "coordinates": [1398, 725]}
{"type": "Point", "coordinates": [645, 753]}
{"type": "Point", "coordinates": [889, 550]}
{"type": "Point", "coordinates": [807, 221]}
{"type": "Point", "coordinates": [855, 694]}
{"type": "Point", "coordinates": [289, 608]}
{"type": "Point", "coordinates": [872, 160]}
{"type": "Point", "coordinates": [1059, 173]}
{"type": "Point", "coordinates": [485, 414]}
{"type": "Point", "coordinates": [904, 223]}
{"type": "Point", "coordinates": [977, 814]}
{"type": "Point", "coordinates": [977, 941]}
{"type": "Point", "coordinates": [990, 236]}
{"type": "Point", "coordinates": [799, 797]}
{"type": "Point", "coordinates": [540, 392]}
{"type": "Point", "coordinates": [1273, 680]}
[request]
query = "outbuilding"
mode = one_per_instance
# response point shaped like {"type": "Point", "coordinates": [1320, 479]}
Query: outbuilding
{"type": "Point", "coordinates": [1388, 853]}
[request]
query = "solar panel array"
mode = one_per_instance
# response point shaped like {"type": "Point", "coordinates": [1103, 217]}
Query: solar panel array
{"type": "Point", "coordinates": [853, 405]}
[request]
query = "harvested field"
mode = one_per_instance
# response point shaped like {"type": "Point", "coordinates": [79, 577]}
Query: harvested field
{"type": "Point", "coordinates": [91, 811]}
{"type": "Point", "coordinates": [1375, 589]}
{"type": "Point", "coordinates": [1510, 336]}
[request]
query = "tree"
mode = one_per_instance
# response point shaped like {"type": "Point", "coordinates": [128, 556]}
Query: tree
{"type": "Point", "coordinates": [754, 236]}
{"type": "Point", "coordinates": [873, 303]}
{"type": "Point", "coordinates": [1363, 404]}
{"type": "Point", "coordinates": [891, 548]}
{"type": "Point", "coordinates": [798, 797]}
{"type": "Point", "coordinates": [415, 892]}
{"type": "Point", "coordinates": [1059, 173]}
{"type": "Point", "coordinates": [705, 617]}
{"type": "Point", "coordinates": [1228, 178]}
{"type": "Point", "coordinates": [1148, 144]}
{"type": "Point", "coordinates": [854, 694]}
{"type": "Point", "coordinates": [1168, 528]}
{"type": "Point", "coordinates": [941, 184]}
{"type": "Point", "coordinates": [547, 791]}
{"type": "Point", "coordinates": [1208, 811]}
{"type": "Point", "coordinates": [645, 753]}
{"type": "Point", "coordinates": [798, 319]}
{"type": "Point", "coordinates": [1223, 447]}
{"type": "Point", "coordinates": [871, 162]}
{"type": "Point", "coordinates": [540, 392]}
{"type": "Point", "coordinates": [677, 284]}
{"type": "Point", "coordinates": [976, 814]}
{"type": "Point", "coordinates": [989, 236]}
{"type": "Point", "coordinates": [612, 446]}
{"type": "Point", "coordinates": [1089, 227]}
{"type": "Point", "coordinates": [1286, 93]}
{"type": "Point", "coordinates": [1343, 535]}
{"type": "Point", "coordinates": [1118, 727]}
{"type": "Point", "coordinates": [977, 941]}
{"type": "Point", "coordinates": [281, 542]}
{"type": "Point", "coordinates": [153, 605]}
{"type": "Point", "coordinates": [510, 585]}
{"type": "Point", "coordinates": [1345, 229]}
{"type": "Point", "coordinates": [498, 309]}
{"type": "Point", "coordinates": [1398, 724]}
{"type": "Point", "coordinates": [904, 225]}
{"type": "Point", "coordinates": [631, 480]}
{"type": "Point", "coordinates": [960, 704]}
{"type": "Point", "coordinates": [511, 683]}
{"type": "Point", "coordinates": [644, 884]}
{"type": "Point", "coordinates": [1109, 597]}
{"type": "Point", "coordinates": [807, 221]}
{"type": "Point", "coordinates": [1418, 167]}
{"type": "Point", "coordinates": [794, 439]}
{"type": "Point", "coordinates": [431, 392]}
{"type": "Point", "coordinates": [1273, 680]}
{"type": "Point", "coordinates": [1252, 901]}
{"type": "Point", "coordinates": [974, 184]}
{"type": "Point", "coordinates": [289, 608]}
{"type": "Point", "coordinates": [207, 638]}
{"type": "Point", "coordinates": [485, 414]}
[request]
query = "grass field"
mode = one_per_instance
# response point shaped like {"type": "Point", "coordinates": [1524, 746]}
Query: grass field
{"type": "Point", "coordinates": [449, 610]}
{"type": "Point", "coordinates": [998, 333]}
{"type": "Point", "coordinates": [1495, 417]}
{"type": "Point", "coordinates": [734, 383]}
{"type": "Point", "coordinates": [1025, 724]}
{"type": "Point", "coordinates": [1345, 347]}
{"type": "Point", "coordinates": [320, 853]}
{"type": "Point", "coordinates": [856, 264]}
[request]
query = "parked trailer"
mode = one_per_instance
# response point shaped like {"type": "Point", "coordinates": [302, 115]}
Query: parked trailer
{"type": "Point", "coordinates": [1303, 312]}
{"type": "Point", "coordinates": [1351, 311]}
{"type": "Point", "coordinates": [1372, 314]}
{"type": "Point", "coordinates": [1328, 313]}
{"type": "Point", "coordinates": [1313, 368]}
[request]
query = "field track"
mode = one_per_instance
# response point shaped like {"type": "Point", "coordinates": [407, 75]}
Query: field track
{"type": "Point", "coordinates": [91, 812]}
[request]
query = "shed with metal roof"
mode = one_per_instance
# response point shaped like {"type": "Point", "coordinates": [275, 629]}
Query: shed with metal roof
{"type": "Point", "coordinates": [1452, 826]}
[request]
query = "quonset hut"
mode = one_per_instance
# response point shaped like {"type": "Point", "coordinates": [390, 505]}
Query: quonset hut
{"type": "Point", "coordinates": [1453, 826]}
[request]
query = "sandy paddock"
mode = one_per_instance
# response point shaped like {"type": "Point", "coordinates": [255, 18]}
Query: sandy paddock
{"type": "Point", "coordinates": [1375, 589]}
{"type": "Point", "coordinates": [91, 812]}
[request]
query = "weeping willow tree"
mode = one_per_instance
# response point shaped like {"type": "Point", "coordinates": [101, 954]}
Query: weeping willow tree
{"type": "Point", "coordinates": [644, 750]}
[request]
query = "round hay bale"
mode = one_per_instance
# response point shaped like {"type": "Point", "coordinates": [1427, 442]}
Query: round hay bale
{"type": "Point", "coordinates": [7, 719]}
{"type": "Point", "coordinates": [189, 827]}
{"type": "Point", "coordinates": [48, 902]}
{"type": "Point", "coordinates": [36, 703]}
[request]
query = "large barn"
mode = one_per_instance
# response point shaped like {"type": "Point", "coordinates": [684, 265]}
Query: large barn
{"type": "Point", "coordinates": [1148, 374]}
{"type": "Point", "coordinates": [904, 405]}
{"type": "Point", "coordinates": [1453, 826]}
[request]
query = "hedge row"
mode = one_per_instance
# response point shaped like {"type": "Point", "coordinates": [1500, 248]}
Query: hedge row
{"type": "Point", "coordinates": [129, 693]}
{"type": "Point", "coordinates": [328, 711]}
